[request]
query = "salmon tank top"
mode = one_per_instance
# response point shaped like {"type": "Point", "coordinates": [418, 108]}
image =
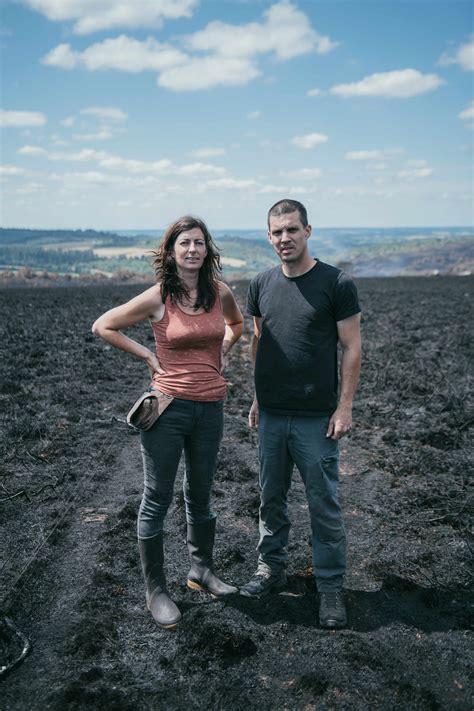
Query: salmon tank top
{"type": "Point", "coordinates": [189, 349]}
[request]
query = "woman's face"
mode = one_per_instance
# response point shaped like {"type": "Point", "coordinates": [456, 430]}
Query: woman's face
{"type": "Point", "coordinates": [189, 250]}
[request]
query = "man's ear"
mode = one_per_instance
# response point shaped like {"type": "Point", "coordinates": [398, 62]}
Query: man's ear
{"type": "Point", "coordinates": [308, 231]}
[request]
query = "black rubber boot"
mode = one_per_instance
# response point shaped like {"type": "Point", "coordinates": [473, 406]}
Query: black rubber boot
{"type": "Point", "coordinates": [200, 546]}
{"type": "Point", "coordinates": [164, 611]}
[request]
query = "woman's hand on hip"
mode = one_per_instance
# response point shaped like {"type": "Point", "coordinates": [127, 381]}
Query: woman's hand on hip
{"type": "Point", "coordinates": [153, 364]}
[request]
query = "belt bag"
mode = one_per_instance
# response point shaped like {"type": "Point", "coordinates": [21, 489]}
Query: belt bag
{"type": "Point", "coordinates": [148, 408]}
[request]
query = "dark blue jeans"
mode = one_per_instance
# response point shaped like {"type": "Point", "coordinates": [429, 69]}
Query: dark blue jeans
{"type": "Point", "coordinates": [284, 442]}
{"type": "Point", "coordinates": [197, 428]}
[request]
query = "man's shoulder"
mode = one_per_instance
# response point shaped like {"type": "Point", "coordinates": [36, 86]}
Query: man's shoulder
{"type": "Point", "coordinates": [334, 274]}
{"type": "Point", "coordinates": [329, 270]}
{"type": "Point", "coordinates": [266, 277]}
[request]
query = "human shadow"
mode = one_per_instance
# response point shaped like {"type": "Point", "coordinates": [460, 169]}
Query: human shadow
{"type": "Point", "coordinates": [397, 601]}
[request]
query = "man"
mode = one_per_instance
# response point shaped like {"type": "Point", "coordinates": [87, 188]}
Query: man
{"type": "Point", "coordinates": [301, 310]}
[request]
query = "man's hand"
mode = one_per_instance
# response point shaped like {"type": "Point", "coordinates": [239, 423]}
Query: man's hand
{"type": "Point", "coordinates": [340, 423]}
{"type": "Point", "coordinates": [254, 415]}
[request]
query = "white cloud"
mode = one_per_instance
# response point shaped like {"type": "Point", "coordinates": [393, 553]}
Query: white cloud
{"type": "Point", "coordinates": [254, 115]}
{"type": "Point", "coordinates": [21, 119]}
{"type": "Point", "coordinates": [232, 184]}
{"type": "Point", "coordinates": [468, 112]}
{"type": "Point", "coordinates": [304, 174]}
{"type": "Point", "coordinates": [123, 53]}
{"type": "Point", "coordinates": [114, 162]}
{"type": "Point", "coordinates": [378, 154]}
{"type": "Point", "coordinates": [106, 113]}
{"type": "Point", "coordinates": [299, 190]}
{"type": "Point", "coordinates": [278, 189]}
{"type": "Point", "coordinates": [230, 50]}
{"type": "Point", "coordinates": [207, 72]}
{"type": "Point", "coordinates": [9, 170]}
{"type": "Point", "coordinates": [32, 151]}
{"type": "Point", "coordinates": [207, 152]}
{"type": "Point", "coordinates": [102, 135]}
{"type": "Point", "coordinates": [68, 121]}
{"type": "Point", "coordinates": [310, 140]}
{"type": "Point", "coordinates": [464, 56]}
{"type": "Point", "coordinates": [199, 169]}
{"type": "Point", "coordinates": [284, 30]}
{"type": "Point", "coordinates": [414, 173]}
{"type": "Point", "coordinates": [30, 189]}
{"type": "Point", "coordinates": [96, 15]}
{"type": "Point", "coordinates": [315, 92]}
{"type": "Point", "coordinates": [401, 84]}
{"type": "Point", "coordinates": [89, 177]}
{"type": "Point", "coordinates": [87, 154]}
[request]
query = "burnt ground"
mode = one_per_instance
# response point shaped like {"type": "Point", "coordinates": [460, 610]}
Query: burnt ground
{"type": "Point", "coordinates": [71, 486]}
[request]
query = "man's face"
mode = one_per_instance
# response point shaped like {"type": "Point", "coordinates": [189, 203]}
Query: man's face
{"type": "Point", "coordinates": [289, 237]}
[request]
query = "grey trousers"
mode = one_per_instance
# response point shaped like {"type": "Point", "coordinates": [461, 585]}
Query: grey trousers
{"type": "Point", "coordinates": [283, 442]}
{"type": "Point", "coordinates": [196, 428]}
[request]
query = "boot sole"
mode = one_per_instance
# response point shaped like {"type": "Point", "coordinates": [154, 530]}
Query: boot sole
{"type": "Point", "coordinates": [200, 588]}
{"type": "Point", "coordinates": [167, 627]}
{"type": "Point", "coordinates": [333, 625]}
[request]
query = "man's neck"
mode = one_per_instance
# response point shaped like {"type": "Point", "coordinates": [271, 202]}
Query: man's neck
{"type": "Point", "coordinates": [296, 269]}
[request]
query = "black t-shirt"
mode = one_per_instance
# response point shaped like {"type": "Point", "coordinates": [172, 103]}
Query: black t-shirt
{"type": "Point", "coordinates": [296, 364]}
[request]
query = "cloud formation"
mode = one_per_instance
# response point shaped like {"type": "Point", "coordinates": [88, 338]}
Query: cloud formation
{"type": "Point", "coordinates": [122, 53]}
{"type": "Point", "coordinates": [378, 154]}
{"type": "Point", "coordinates": [21, 119]}
{"type": "Point", "coordinates": [97, 15]}
{"type": "Point", "coordinates": [220, 55]}
{"type": "Point", "coordinates": [207, 72]}
{"type": "Point", "coordinates": [106, 113]}
{"type": "Point", "coordinates": [468, 113]}
{"type": "Point", "coordinates": [463, 55]}
{"type": "Point", "coordinates": [399, 84]}
{"type": "Point", "coordinates": [309, 140]}
{"type": "Point", "coordinates": [284, 31]}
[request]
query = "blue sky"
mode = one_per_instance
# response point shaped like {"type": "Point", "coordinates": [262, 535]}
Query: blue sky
{"type": "Point", "coordinates": [122, 115]}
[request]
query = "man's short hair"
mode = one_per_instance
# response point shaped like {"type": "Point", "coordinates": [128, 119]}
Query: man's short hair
{"type": "Point", "coordinates": [284, 207]}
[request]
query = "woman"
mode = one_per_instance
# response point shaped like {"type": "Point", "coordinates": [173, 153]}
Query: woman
{"type": "Point", "coordinates": [196, 321]}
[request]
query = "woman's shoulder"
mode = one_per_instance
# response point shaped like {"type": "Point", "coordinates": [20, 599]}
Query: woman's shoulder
{"type": "Point", "coordinates": [151, 299]}
{"type": "Point", "coordinates": [224, 289]}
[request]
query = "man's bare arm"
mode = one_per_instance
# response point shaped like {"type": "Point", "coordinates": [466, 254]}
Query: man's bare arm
{"type": "Point", "coordinates": [257, 326]}
{"type": "Point", "coordinates": [349, 337]}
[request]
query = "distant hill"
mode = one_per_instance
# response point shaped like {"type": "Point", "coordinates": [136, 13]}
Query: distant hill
{"type": "Point", "coordinates": [93, 254]}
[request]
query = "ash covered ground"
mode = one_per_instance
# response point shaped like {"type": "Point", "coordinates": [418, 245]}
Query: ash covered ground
{"type": "Point", "coordinates": [71, 486]}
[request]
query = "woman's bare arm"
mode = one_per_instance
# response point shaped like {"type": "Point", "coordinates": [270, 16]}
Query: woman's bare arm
{"type": "Point", "coordinates": [234, 321]}
{"type": "Point", "coordinates": [148, 304]}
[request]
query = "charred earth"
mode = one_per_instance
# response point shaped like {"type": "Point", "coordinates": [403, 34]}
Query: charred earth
{"type": "Point", "coordinates": [71, 485]}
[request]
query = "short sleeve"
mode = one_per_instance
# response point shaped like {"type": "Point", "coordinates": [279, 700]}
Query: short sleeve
{"type": "Point", "coordinates": [346, 298]}
{"type": "Point", "coordinates": [252, 299]}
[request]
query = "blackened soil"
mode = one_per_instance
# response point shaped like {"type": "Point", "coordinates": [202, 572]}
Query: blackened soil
{"type": "Point", "coordinates": [71, 486]}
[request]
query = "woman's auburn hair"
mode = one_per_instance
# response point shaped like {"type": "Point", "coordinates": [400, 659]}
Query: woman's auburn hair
{"type": "Point", "coordinates": [165, 266]}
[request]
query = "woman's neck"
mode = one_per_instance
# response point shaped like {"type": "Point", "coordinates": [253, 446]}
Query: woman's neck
{"type": "Point", "coordinates": [190, 281]}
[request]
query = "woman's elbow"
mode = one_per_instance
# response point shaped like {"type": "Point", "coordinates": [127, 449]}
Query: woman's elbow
{"type": "Point", "coordinates": [98, 327]}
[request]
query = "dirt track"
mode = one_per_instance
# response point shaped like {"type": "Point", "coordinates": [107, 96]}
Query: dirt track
{"type": "Point", "coordinates": [71, 486]}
